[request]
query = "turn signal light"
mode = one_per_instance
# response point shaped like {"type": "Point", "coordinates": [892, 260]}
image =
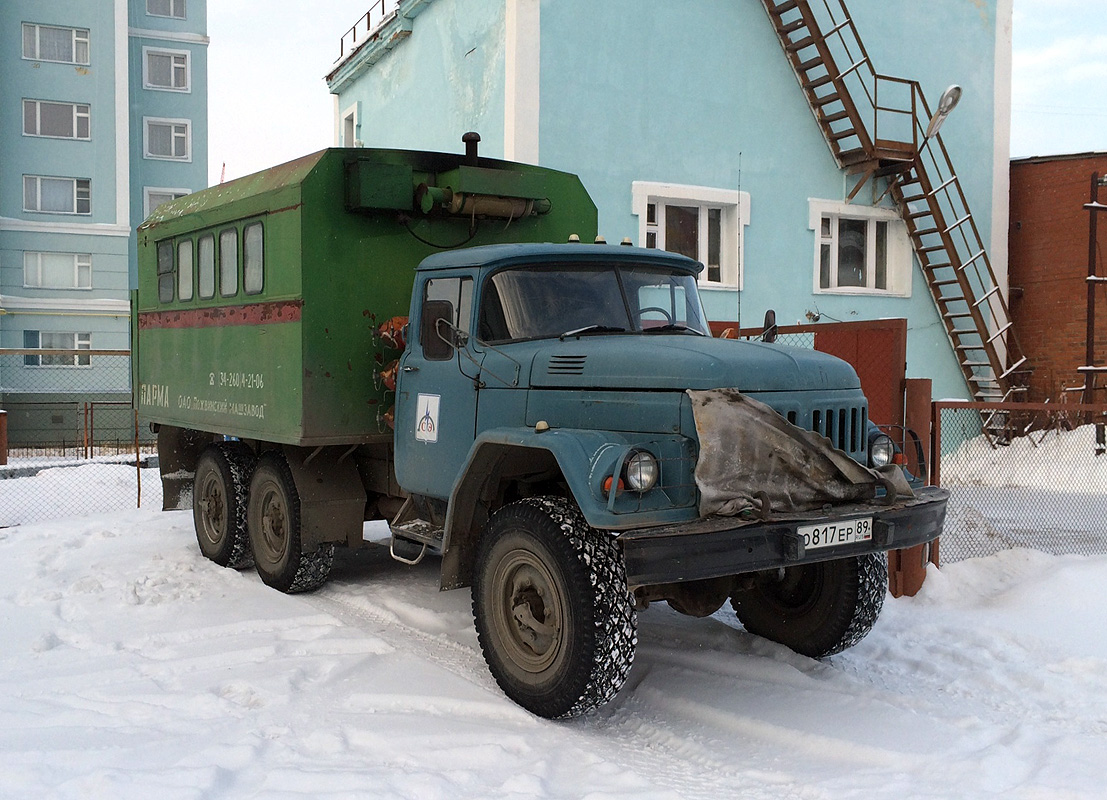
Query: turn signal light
{"type": "Point", "coordinates": [607, 485]}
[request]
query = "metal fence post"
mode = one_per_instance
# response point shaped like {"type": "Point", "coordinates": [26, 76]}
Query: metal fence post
{"type": "Point", "coordinates": [907, 568]}
{"type": "Point", "coordinates": [3, 437]}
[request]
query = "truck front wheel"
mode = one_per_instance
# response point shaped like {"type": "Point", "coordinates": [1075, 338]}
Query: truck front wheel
{"type": "Point", "coordinates": [816, 609]}
{"type": "Point", "coordinates": [273, 519]}
{"type": "Point", "coordinates": [219, 492]}
{"type": "Point", "coordinates": [554, 616]}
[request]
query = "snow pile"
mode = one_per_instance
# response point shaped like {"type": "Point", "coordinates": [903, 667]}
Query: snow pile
{"type": "Point", "coordinates": [131, 667]}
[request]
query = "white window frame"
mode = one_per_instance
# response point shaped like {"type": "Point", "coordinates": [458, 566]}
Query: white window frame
{"type": "Point", "coordinates": [173, 5]}
{"type": "Point", "coordinates": [82, 190]}
{"type": "Point", "coordinates": [173, 54]}
{"type": "Point", "coordinates": [735, 217]}
{"type": "Point", "coordinates": [32, 270]}
{"type": "Point", "coordinates": [185, 123]}
{"type": "Point", "coordinates": [78, 114]}
{"type": "Point", "coordinates": [350, 127]}
{"type": "Point", "coordinates": [80, 341]}
{"type": "Point", "coordinates": [79, 36]}
{"type": "Point", "coordinates": [148, 205]}
{"type": "Point", "coordinates": [899, 253]}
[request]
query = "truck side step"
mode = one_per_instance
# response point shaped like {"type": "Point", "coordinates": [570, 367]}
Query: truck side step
{"type": "Point", "coordinates": [412, 537]}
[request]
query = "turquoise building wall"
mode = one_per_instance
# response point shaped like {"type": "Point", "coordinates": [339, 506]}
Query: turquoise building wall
{"type": "Point", "coordinates": [111, 159]}
{"type": "Point", "coordinates": [694, 94]}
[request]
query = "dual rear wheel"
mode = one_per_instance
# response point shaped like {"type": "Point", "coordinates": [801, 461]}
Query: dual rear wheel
{"type": "Point", "coordinates": [247, 511]}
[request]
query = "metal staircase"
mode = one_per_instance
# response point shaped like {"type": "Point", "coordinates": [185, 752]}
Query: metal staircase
{"type": "Point", "coordinates": [876, 127]}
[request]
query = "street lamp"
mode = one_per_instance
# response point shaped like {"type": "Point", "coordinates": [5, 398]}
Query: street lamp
{"type": "Point", "coordinates": [946, 103]}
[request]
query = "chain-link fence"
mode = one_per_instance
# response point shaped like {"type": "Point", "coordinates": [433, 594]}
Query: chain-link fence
{"type": "Point", "coordinates": [1041, 484]}
{"type": "Point", "coordinates": [74, 445]}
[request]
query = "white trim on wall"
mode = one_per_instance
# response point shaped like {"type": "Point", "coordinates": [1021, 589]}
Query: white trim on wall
{"type": "Point", "coordinates": [91, 305]}
{"type": "Point", "coordinates": [169, 36]}
{"type": "Point", "coordinates": [122, 117]}
{"type": "Point", "coordinates": [89, 229]}
{"type": "Point", "coordinates": [1001, 170]}
{"type": "Point", "coordinates": [522, 80]}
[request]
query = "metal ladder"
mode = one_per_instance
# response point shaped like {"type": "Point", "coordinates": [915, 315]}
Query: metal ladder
{"type": "Point", "coordinates": [875, 126]}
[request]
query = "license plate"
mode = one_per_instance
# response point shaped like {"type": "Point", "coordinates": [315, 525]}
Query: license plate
{"type": "Point", "coordinates": [830, 534]}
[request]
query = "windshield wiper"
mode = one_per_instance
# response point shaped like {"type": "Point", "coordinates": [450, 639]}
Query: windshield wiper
{"type": "Point", "coordinates": [591, 329]}
{"type": "Point", "coordinates": [674, 327]}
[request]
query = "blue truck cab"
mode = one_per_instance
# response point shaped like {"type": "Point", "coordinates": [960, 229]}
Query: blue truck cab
{"type": "Point", "coordinates": [576, 445]}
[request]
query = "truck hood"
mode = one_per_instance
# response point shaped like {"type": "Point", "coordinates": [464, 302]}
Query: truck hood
{"type": "Point", "coordinates": [685, 361]}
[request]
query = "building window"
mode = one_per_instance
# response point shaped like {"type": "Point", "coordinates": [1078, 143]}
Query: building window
{"type": "Point", "coordinates": [57, 270]}
{"type": "Point", "coordinates": [56, 120]}
{"type": "Point", "coordinates": [253, 256]}
{"type": "Point", "coordinates": [168, 139]}
{"type": "Point", "coordinates": [697, 221]}
{"type": "Point", "coordinates": [155, 197]}
{"type": "Point", "coordinates": [166, 8]}
{"type": "Point", "coordinates": [52, 195]}
{"type": "Point", "coordinates": [44, 340]}
{"type": "Point", "coordinates": [860, 250]}
{"type": "Point", "coordinates": [168, 70]}
{"type": "Point", "coordinates": [50, 43]}
{"type": "Point", "coordinates": [228, 262]}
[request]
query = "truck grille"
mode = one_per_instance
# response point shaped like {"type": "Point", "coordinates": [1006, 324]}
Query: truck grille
{"type": "Point", "coordinates": [844, 426]}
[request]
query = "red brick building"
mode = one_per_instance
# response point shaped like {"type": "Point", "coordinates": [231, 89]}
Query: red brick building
{"type": "Point", "coordinates": [1049, 237]}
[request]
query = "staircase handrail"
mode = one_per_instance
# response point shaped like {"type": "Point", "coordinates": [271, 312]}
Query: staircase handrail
{"type": "Point", "coordinates": [966, 237]}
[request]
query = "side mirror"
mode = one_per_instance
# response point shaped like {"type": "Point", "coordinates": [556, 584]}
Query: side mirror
{"type": "Point", "coordinates": [768, 334]}
{"type": "Point", "coordinates": [436, 326]}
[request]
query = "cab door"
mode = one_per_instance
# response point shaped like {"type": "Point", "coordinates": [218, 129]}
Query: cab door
{"type": "Point", "coordinates": [436, 391]}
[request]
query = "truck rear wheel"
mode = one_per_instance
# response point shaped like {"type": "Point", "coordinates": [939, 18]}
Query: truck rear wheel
{"type": "Point", "coordinates": [273, 519]}
{"type": "Point", "coordinates": [219, 492]}
{"type": "Point", "coordinates": [554, 616]}
{"type": "Point", "coordinates": [816, 609]}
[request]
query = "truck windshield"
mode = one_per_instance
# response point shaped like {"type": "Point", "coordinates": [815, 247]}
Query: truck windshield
{"type": "Point", "coordinates": [541, 302]}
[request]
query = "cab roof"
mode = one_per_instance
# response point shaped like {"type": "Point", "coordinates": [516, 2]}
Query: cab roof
{"type": "Point", "coordinates": [509, 254]}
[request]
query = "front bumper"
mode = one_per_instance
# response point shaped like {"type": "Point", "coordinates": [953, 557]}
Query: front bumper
{"type": "Point", "coordinates": [714, 546]}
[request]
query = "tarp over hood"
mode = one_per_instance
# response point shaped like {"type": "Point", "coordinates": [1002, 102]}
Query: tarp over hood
{"type": "Point", "coordinates": [748, 453]}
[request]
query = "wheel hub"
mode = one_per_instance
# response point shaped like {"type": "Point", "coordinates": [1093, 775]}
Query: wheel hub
{"type": "Point", "coordinates": [532, 618]}
{"type": "Point", "coordinates": [214, 508]}
{"type": "Point", "coordinates": [273, 523]}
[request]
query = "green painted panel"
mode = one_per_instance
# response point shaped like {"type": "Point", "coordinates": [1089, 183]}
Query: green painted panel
{"type": "Point", "coordinates": [298, 360]}
{"type": "Point", "coordinates": [241, 382]}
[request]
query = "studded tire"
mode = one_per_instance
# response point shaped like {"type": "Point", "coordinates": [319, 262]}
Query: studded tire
{"type": "Point", "coordinates": [816, 609]}
{"type": "Point", "coordinates": [219, 495]}
{"type": "Point", "coordinates": [554, 616]}
{"type": "Point", "coordinates": [273, 520]}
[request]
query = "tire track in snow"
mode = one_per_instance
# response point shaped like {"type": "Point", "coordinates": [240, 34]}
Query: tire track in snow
{"type": "Point", "coordinates": [670, 741]}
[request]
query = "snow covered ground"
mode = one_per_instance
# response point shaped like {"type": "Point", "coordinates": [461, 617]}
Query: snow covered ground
{"type": "Point", "coordinates": [130, 667]}
{"type": "Point", "coordinates": [1047, 491]}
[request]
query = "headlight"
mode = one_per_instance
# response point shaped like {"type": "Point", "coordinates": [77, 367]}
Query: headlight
{"type": "Point", "coordinates": [881, 450]}
{"type": "Point", "coordinates": [641, 471]}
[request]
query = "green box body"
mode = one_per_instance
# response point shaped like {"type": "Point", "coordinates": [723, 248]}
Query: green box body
{"type": "Point", "coordinates": [298, 362]}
